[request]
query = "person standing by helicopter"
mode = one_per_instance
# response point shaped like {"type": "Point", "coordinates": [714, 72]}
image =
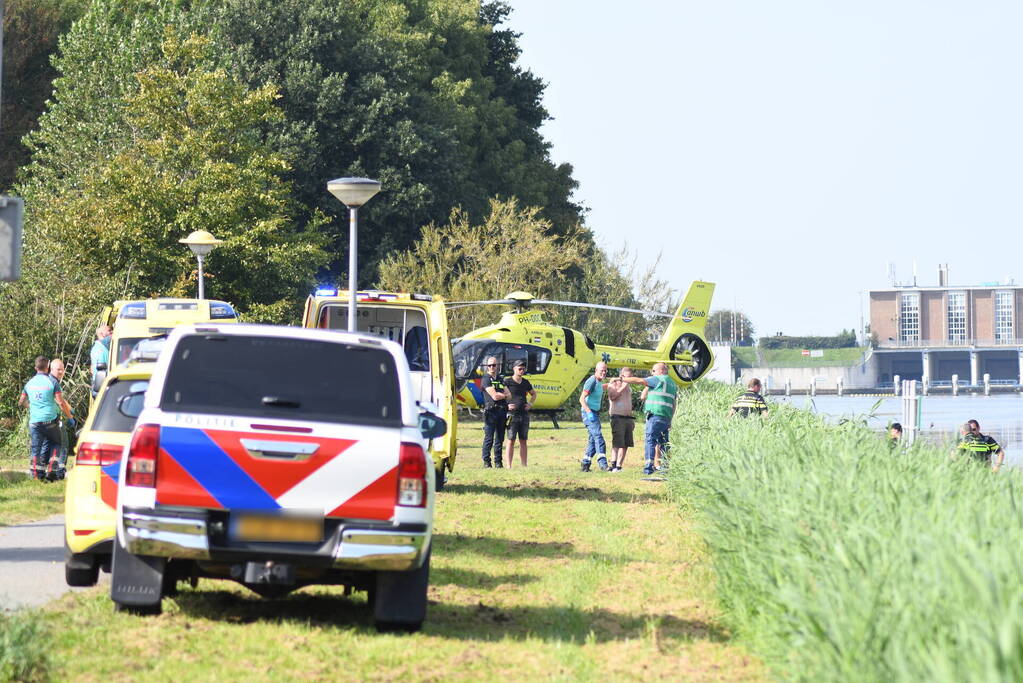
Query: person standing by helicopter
{"type": "Point", "coordinates": [521, 395]}
{"type": "Point", "coordinates": [495, 412]}
{"type": "Point", "coordinates": [659, 409]}
{"type": "Point", "coordinates": [619, 398]}
{"type": "Point", "coordinates": [590, 400]}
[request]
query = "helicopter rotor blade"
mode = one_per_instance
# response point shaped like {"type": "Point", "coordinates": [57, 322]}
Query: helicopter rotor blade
{"type": "Point", "coordinates": [603, 307]}
{"type": "Point", "coordinates": [464, 304]}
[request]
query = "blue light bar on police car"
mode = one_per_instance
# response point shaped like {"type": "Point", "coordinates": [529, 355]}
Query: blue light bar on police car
{"type": "Point", "coordinates": [220, 310]}
{"type": "Point", "coordinates": [134, 309]}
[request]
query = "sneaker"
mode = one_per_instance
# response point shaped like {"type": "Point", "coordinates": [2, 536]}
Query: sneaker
{"type": "Point", "coordinates": [647, 472]}
{"type": "Point", "coordinates": [615, 468]}
{"type": "Point", "coordinates": [487, 465]}
{"type": "Point", "coordinates": [499, 465]}
{"type": "Point", "coordinates": [585, 467]}
{"type": "Point", "coordinates": [602, 464]}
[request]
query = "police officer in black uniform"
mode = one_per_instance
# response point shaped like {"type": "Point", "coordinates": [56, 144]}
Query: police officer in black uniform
{"type": "Point", "coordinates": [751, 402]}
{"type": "Point", "coordinates": [495, 412]}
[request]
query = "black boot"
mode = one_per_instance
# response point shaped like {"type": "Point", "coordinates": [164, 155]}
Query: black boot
{"type": "Point", "coordinates": [486, 464]}
{"type": "Point", "coordinates": [498, 463]}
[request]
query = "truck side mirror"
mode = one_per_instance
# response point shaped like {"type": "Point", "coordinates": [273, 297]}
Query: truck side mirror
{"type": "Point", "coordinates": [431, 426]}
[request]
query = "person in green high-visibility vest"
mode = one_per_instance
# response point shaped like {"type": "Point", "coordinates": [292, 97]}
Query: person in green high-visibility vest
{"type": "Point", "coordinates": [659, 409]}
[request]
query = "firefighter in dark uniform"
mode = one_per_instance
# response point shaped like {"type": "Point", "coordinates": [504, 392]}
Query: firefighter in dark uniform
{"type": "Point", "coordinates": [495, 412]}
{"type": "Point", "coordinates": [750, 403]}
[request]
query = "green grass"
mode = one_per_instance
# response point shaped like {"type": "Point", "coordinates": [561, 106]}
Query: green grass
{"type": "Point", "coordinates": [794, 358]}
{"type": "Point", "coordinates": [539, 573]}
{"type": "Point", "coordinates": [838, 559]}
{"type": "Point", "coordinates": [745, 356]}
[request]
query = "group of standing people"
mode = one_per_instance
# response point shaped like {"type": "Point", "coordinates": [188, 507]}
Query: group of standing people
{"type": "Point", "coordinates": [51, 420]}
{"type": "Point", "coordinates": [48, 433]}
{"type": "Point", "coordinates": [507, 401]}
{"type": "Point", "coordinates": [506, 404]}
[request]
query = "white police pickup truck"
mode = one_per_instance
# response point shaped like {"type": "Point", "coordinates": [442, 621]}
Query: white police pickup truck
{"type": "Point", "coordinates": [277, 457]}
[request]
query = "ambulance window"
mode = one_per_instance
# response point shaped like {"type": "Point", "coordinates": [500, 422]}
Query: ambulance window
{"type": "Point", "coordinates": [417, 349]}
{"type": "Point", "coordinates": [124, 347]}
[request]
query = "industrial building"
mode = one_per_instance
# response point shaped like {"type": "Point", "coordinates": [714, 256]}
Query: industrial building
{"type": "Point", "coordinates": [933, 333]}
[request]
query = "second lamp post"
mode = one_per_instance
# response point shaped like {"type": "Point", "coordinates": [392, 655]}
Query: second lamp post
{"type": "Point", "coordinates": [353, 193]}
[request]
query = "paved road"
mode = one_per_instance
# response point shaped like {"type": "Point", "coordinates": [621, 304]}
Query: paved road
{"type": "Point", "coordinates": [32, 564]}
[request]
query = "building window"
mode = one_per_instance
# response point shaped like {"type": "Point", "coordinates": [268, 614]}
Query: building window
{"type": "Point", "coordinates": [956, 316]}
{"type": "Point", "coordinates": [1004, 303]}
{"type": "Point", "coordinates": [909, 316]}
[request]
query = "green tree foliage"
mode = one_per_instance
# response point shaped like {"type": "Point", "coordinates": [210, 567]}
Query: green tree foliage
{"type": "Point", "coordinates": [843, 340]}
{"type": "Point", "coordinates": [31, 30]}
{"type": "Point", "coordinates": [726, 326]}
{"type": "Point", "coordinates": [423, 95]}
{"type": "Point", "coordinates": [514, 249]}
{"type": "Point", "coordinates": [197, 159]}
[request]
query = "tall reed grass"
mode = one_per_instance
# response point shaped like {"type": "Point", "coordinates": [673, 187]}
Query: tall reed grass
{"type": "Point", "coordinates": [838, 558]}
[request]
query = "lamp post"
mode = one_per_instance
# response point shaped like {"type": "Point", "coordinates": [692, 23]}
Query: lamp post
{"type": "Point", "coordinates": [201, 243]}
{"type": "Point", "coordinates": [353, 193]}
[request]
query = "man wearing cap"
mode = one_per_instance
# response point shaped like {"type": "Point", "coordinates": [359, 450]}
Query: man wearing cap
{"type": "Point", "coordinates": [521, 395]}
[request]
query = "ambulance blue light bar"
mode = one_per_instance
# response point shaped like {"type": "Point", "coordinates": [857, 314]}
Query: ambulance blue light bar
{"type": "Point", "coordinates": [220, 311]}
{"type": "Point", "coordinates": [326, 291]}
{"type": "Point", "coordinates": [134, 310]}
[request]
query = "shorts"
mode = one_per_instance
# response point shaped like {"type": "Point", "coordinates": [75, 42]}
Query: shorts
{"type": "Point", "coordinates": [518, 426]}
{"type": "Point", "coordinates": [622, 427]}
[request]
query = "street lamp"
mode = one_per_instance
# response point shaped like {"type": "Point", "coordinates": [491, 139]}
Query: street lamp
{"type": "Point", "coordinates": [353, 193]}
{"type": "Point", "coordinates": [201, 243]}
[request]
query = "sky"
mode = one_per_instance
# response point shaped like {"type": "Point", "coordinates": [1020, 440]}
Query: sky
{"type": "Point", "coordinates": [787, 150]}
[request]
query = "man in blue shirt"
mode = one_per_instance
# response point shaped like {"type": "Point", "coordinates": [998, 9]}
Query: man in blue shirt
{"type": "Point", "coordinates": [590, 399]}
{"type": "Point", "coordinates": [100, 351]}
{"type": "Point", "coordinates": [45, 404]}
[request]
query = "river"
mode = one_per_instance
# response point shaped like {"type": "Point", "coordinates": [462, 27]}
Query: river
{"type": "Point", "coordinates": [1000, 415]}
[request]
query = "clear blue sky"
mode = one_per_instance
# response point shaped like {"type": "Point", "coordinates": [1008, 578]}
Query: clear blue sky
{"type": "Point", "coordinates": [788, 150]}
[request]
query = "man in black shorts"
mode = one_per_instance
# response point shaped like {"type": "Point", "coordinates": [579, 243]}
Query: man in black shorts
{"type": "Point", "coordinates": [521, 395]}
{"type": "Point", "coordinates": [495, 412]}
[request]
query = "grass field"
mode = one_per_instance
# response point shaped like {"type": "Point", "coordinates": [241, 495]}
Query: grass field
{"type": "Point", "coordinates": [746, 357]}
{"type": "Point", "coordinates": [538, 573]}
{"type": "Point", "coordinates": [838, 558]}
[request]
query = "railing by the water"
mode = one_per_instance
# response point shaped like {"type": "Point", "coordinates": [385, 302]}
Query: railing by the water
{"type": "Point", "coordinates": [949, 343]}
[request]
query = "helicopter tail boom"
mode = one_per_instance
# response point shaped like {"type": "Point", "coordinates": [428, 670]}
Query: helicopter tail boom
{"type": "Point", "coordinates": [691, 316]}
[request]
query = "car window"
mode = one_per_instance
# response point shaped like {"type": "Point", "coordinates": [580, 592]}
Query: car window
{"type": "Point", "coordinates": [278, 377]}
{"type": "Point", "coordinates": [124, 347]}
{"type": "Point", "coordinates": [108, 417]}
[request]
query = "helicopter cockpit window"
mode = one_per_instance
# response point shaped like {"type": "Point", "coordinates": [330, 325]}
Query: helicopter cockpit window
{"type": "Point", "coordinates": [467, 357]}
{"type": "Point", "coordinates": [537, 358]}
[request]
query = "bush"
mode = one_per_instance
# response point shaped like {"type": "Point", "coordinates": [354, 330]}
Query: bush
{"type": "Point", "coordinates": [840, 341]}
{"type": "Point", "coordinates": [24, 655]}
{"type": "Point", "coordinates": [839, 559]}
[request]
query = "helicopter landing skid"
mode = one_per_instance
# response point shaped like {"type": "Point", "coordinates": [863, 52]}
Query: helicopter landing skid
{"type": "Point", "coordinates": [554, 414]}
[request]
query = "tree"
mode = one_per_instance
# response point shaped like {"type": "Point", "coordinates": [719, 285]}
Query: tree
{"type": "Point", "coordinates": [725, 326]}
{"type": "Point", "coordinates": [31, 30]}
{"type": "Point", "coordinates": [197, 159]}
{"type": "Point", "coordinates": [463, 261]}
{"type": "Point", "coordinates": [516, 249]}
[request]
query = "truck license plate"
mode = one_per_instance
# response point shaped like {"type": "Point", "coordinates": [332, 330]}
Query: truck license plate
{"type": "Point", "coordinates": [249, 527]}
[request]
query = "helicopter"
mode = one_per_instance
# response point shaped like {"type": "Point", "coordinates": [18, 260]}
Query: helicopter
{"type": "Point", "coordinates": [558, 358]}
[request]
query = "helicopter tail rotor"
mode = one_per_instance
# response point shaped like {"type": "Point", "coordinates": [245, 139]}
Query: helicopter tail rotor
{"type": "Point", "coordinates": [690, 347]}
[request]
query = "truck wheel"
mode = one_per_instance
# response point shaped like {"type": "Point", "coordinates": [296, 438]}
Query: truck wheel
{"type": "Point", "coordinates": [80, 569]}
{"type": "Point", "coordinates": [399, 599]}
{"type": "Point", "coordinates": [136, 582]}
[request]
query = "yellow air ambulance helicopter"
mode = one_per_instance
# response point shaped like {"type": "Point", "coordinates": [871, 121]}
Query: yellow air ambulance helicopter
{"type": "Point", "coordinates": [559, 358]}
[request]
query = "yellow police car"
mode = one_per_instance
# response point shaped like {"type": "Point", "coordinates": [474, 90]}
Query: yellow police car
{"type": "Point", "coordinates": [90, 497]}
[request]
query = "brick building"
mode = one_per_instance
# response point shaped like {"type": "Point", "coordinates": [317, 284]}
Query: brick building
{"type": "Point", "coordinates": [937, 332]}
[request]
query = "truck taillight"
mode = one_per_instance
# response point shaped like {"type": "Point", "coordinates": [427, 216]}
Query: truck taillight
{"type": "Point", "coordinates": [93, 453]}
{"type": "Point", "coordinates": [141, 466]}
{"type": "Point", "coordinates": [412, 476]}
